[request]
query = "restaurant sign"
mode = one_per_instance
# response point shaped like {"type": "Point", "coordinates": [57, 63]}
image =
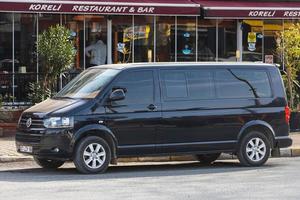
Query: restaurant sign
{"type": "Point", "coordinates": [97, 8]}
{"type": "Point", "coordinates": [259, 13]}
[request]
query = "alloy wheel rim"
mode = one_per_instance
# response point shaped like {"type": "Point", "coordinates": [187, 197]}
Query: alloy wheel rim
{"type": "Point", "coordinates": [94, 155]}
{"type": "Point", "coordinates": [256, 149]}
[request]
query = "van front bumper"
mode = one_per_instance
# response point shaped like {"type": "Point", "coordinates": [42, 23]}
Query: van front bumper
{"type": "Point", "coordinates": [283, 142]}
{"type": "Point", "coordinates": [50, 144]}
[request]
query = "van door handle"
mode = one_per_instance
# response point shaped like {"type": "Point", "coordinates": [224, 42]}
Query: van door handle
{"type": "Point", "coordinates": [152, 107]}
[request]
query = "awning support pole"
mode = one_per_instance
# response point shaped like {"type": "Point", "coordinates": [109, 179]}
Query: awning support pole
{"type": "Point", "coordinates": [239, 39]}
{"type": "Point", "coordinates": [109, 40]}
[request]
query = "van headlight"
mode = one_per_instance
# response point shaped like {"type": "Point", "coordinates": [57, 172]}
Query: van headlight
{"type": "Point", "coordinates": [59, 122]}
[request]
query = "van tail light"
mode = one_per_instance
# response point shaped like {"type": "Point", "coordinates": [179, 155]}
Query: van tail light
{"type": "Point", "coordinates": [287, 112]}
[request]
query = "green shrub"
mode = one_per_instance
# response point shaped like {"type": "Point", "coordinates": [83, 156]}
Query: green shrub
{"type": "Point", "coordinates": [38, 93]}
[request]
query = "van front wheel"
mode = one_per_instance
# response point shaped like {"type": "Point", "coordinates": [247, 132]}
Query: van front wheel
{"type": "Point", "coordinates": [207, 158]}
{"type": "Point", "coordinates": [254, 149]}
{"type": "Point", "coordinates": [92, 155]}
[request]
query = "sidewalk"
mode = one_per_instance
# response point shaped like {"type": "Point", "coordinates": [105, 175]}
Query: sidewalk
{"type": "Point", "coordinates": [8, 152]}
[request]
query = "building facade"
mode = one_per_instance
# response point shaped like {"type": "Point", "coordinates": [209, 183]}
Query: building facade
{"type": "Point", "coordinates": [139, 31]}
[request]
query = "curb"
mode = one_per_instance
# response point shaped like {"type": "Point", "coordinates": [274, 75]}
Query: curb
{"type": "Point", "coordinates": [290, 152]}
{"type": "Point", "coordinates": [5, 159]}
{"type": "Point", "coordinates": [286, 152]}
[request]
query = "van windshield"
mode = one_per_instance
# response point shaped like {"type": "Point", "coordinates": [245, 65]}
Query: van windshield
{"type": "Point", "coordinates": [88, 84]}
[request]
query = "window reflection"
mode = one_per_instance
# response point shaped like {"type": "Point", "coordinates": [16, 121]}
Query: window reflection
{"type": "Point", "coordinates": [6, 56]}
{"type": "Point", "coordinates": [143, 39]}
{"type": "Point", "coordinates": [271, 28]}
{"type": "Point", "coordinates": [252, 40]}
{"type": "Point", "coordinates": [5, 43]}
{"type": "Point", "coordinates": [186, 39]}
{"type": "Point", "coordinates": [25, 40]}
{"type": "Point", "coordinates": [25, 53]}
{"type": "Point", "coordinates": [165, 37]}
{"type": "Point", "coordinates": [96, 40]}
{"type": "Point", "coordinates": [227, 40]}
{"type": "Point", "coordinates": [242, 83]}
{"type": "Point", "coordinates": [122, 38]}
{"type": "Point", "coordinates": [75, 24]}
{"type": "Point", "coordinates": [206, 40]}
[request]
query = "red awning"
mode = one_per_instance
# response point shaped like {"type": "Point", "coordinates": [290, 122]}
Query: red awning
{"type": "Point", "coordinates": [129, 7]}
{"type": "Point", "coordinates": [253, 9]}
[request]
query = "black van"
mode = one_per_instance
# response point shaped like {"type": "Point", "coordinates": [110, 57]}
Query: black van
{"type": "Point", "coordinates": [203, 109]}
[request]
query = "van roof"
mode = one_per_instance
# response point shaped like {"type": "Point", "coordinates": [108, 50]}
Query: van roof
{"type": "Point", "coordinates": [175, 64]}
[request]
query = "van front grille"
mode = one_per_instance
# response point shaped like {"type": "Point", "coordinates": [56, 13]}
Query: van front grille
{"type": "Point", "coordinates": [36, 123]}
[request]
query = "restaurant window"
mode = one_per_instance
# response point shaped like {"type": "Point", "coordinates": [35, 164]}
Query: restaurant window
{"type": "Point", "coordinates": [253, 40]}
{"type": "Point", "coordinates": [165, 37]}
{"type": "Point", "coordinates": [122, 39]}
{"type": "Point", "coordinates": [143, 39]}
{"type": "Point", "coordinates": [271, 28]}
{"type": "Point", "coordinates": [75, 24]}
{"type": "Point", "coordinates": [47, 20]}
{"type": "Point", "coordinates": [25, 42]}
{"type": "Point", "coordinates": [6, 57]}
{"type": "Point", "coordinates": [25, 51]}
{"type": "Point", "coordinates": [206, 40]}
{"type": "Point", "coordinates": [95, 40]}
{"type": "Point", "coordinates": [227, 40]}
{"type": "Point", "coordinates": [186, 38]}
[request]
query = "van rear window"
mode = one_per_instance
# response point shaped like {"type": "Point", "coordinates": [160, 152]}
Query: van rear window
{"type": "Point", "coordinates": [242, 83]}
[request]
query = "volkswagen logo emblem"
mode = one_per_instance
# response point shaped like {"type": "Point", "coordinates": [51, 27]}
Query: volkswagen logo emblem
{"type": "Point", "coordinates": [28, 122]}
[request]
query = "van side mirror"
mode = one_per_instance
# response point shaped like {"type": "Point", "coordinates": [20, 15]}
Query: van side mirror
{"type": "Point", "coordinates": [117, 95]}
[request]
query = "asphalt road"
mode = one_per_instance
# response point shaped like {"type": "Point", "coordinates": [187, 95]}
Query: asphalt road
{"type": "Point", "coordinates": [278, 179]}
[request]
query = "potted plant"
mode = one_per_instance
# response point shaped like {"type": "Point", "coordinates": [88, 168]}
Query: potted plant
{"type": "Point", "coordinates": [56, 52]}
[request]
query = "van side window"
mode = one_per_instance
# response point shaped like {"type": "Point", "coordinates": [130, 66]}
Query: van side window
{"type": "Point", "coordinates": [174, 84]}
{"type": "Point", "coordinates": [139, 87]}
{"type": "Point", "coordinates": [188, 84]}
{"type": "Point", "coordinates": [242, 83]}
{"type": "Point", "coordinates": [200, 84]}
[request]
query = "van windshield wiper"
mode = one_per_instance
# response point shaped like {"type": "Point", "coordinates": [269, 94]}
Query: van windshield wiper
{"type": "Point", "coordinates": [63, 97]}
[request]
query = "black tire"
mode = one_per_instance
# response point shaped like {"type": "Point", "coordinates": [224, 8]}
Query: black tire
{"type": "Point", "coordinates": [244, 156]}
{"type": "Point", "coordinates": [207, 158]}
{"type": "Point", "coordinates": [80, 160]}
{"type": "Point", "coordinates": [47, 163]}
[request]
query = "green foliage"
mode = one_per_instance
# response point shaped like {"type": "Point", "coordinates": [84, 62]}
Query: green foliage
{"type": "Point", "coordinates": [296, 94]}
{"type": "Point", "coordinates": [289, 46]}
{"type": "Point", "coordinates": [56, 50]}
{"type": "Point", "coordinates": [38, 93]}
{"type": "Point", "coordinates": [7, 98]}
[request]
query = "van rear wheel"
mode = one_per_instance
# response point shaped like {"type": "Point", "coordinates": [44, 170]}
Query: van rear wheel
{"type": "Point", "coordinates": [92, 155]}
{"type": "Point", "coordinates": [254, 149]}
{"type": "Point", "coordinates": [48, 164]}
{"type": "Point", "coordinates": [207, 158]}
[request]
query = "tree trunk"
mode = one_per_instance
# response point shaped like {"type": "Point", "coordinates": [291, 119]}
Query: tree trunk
{"type": "Point", "coordinates": [290, 87]}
